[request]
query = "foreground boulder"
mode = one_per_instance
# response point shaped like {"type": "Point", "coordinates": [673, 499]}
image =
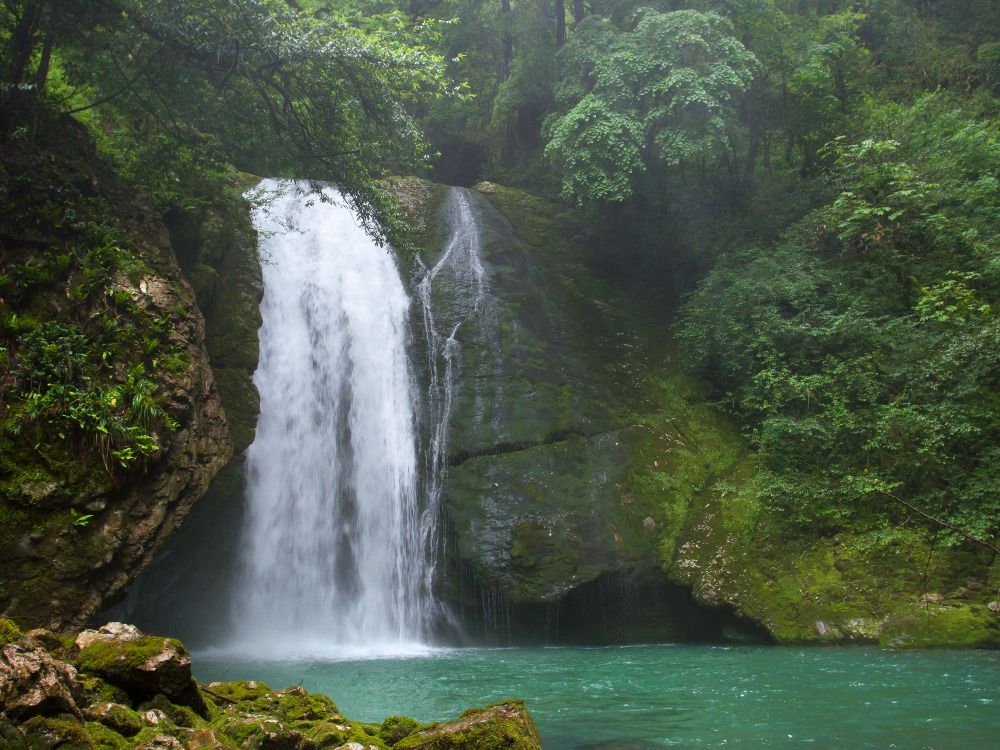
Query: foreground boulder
{"type": "Point", "coordinates": [144, 665]}
{"type": "Point", "coordinates": [119, 689]}
{"type": "Point", "coordinates": [499, 725]}
{"type": "Point", "coordinates": [32, 682]}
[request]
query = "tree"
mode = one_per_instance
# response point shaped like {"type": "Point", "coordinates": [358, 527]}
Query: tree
{"type": "Point", "coordinates": [662, 94]}
{"type": "Point", "coordinates": [254, 82]}
{"type": "Point", "coordinates": [862, 350]}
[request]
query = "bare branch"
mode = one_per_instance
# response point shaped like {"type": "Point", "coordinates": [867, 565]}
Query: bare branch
{"type": "Point", "coordinates": [938, 521]}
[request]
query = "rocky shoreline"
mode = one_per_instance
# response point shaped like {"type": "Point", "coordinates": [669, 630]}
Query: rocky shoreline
{"type": "Point", "coordinates": [119, 689]}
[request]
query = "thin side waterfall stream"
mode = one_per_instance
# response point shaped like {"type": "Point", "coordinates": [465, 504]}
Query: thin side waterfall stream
{"type": "Point", "coordinates": [333, 554]}
{"type": "Point", "coordinates": [460, 271]}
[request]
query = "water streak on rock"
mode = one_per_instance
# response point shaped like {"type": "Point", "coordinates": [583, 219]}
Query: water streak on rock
{"type": "Point", "coordinates": [453, 294]}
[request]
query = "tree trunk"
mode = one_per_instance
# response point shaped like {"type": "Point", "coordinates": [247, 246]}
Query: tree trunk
{"type": "Point", "coordinates": [23, 40]}
{"type": "Point", "coordinates": [578, 10]}
{"type": "Point", "coordinates": [508, 41]}
{"type": "Point", "coordinates": [560, 23]}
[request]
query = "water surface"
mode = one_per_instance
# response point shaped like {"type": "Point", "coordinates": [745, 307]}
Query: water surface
{"type": "Point", "coordinates": [645, 697]}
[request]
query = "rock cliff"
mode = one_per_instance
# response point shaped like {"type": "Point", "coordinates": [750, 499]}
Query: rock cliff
{"type": "Point", "coordinates": [113, 424]}
{"type": "Point", "coordinates": [586, 473]}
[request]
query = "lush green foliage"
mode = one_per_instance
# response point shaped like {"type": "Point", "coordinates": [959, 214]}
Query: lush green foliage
{"type": "Point", "coordinates": [83, 363]}
{"type": "Point", "coordinates": [181, 88]}
{"type": "Point", "coordinates": [831, 166]}
{"type": "Point", "coordinates": [863, 349]}
{"type": "Point", "coordinates": [661, 94]}
{"type": "Point", "coordinates": [823, 174]}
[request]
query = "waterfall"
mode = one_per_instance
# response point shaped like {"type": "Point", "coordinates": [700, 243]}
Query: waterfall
{"type": "Point", "coordinates": [464, 299]}
{"type": "Point", "coordinates": [333, 555]}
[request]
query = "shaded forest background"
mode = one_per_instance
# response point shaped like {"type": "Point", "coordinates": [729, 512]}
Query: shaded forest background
{"type": "Point", "coordinates": [806, 191]}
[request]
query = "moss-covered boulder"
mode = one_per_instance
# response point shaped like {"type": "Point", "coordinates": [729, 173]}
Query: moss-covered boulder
{"type": "Point", "coordinates": [255, 716]}
{"type": "Point", "coordinates": [114, 716]}
{"type": "Point", "coordinates": [143, 665]}
{"type": "Point", "coordinates": [396, 728]}
{"type": "Point", "coordinates": [49, 733]}
{"type": "Point", "coordinates": [896, 590]}
{"type": "Point", "coordinates": [153, 708]}
{"type": "Point", "coordinates": [499, 726]}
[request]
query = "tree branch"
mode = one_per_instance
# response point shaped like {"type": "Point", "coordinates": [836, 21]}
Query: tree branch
{"type": "Point", "coordinates": [938, 521]}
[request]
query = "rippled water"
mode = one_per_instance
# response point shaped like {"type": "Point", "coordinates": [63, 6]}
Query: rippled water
{"type": "Point", "coordinates": [639, 697]}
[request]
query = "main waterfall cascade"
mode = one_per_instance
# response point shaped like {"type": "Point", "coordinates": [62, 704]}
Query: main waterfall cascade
{"type": "Point", "coordinates": [335, 550]}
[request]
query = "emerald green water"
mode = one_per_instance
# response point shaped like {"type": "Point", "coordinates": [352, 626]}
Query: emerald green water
{"type": "Point", "coordinates": [643, 697]}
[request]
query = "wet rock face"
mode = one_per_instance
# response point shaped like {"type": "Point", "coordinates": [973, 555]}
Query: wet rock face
{"type": "Point", "coordinates": [534, 457]}
{"type": "Point", "coordinates": [548, 518]}
{"type": "Point", "coordinates": [33, 683]}
{"type": "Point", "coordinates": [216, 249]}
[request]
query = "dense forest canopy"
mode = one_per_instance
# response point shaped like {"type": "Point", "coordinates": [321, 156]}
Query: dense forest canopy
{"type": "Point", "coordinates": [810, 187]}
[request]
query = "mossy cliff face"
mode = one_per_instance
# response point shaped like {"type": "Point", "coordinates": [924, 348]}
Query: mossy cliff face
{"type": "Point", "coordinates": [898, 591]}
{"type": "Point", "coordinates": [117, 689]}
{"type": "Point", "coordinates": [578, 450]}
{"type": "Point", "coordinates": [216, 248]}
{"type": "Point", "coordinates": [570, 457]}
{"type": "Point", "coordinates": [94, 307]}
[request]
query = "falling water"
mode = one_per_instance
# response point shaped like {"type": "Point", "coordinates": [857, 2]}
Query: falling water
{"type": "Point", "coordinates": [333, 556]}
{"type": "Point", "coordinates": [458, 273]}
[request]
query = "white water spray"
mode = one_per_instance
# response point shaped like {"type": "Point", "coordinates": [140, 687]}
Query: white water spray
{"type": "Point", "coordinates": [333, 556]}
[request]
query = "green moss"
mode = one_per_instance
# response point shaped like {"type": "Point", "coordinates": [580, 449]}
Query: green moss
{"type": "Point", "coordinates": [148, 733]}
{"type": "Point", "coordinates": [250, 696]}
{"type": "Point", "coordinates": [366, 735]}
{"type": "Point", "coordinates": [847, 588]}
{"type": "Point", "coordinates": [105, 738]}
{"type": "Point", "coordinates": [111, 657]}
{"type": "Point", "coordinates": [327, 734]}
{"type": "Point", "coordinates": [499, 726]}
{"type": "Point", "coordinates": [961, 626]}
{"type": "Point", "coordinates": [10, 737]}
{"type": "Point", "coordinates": [296, 705]}
{"type": "Point", "coordinates": [396, 728]}
{"type": "Point", "coordinates": [8, 632]}
{"type": "Point", "coordinates": [104, 691]}
{"type": "Point", "coordinates": [182, 716]}
{"type": "Point", "coordinates": [44, 732]}
{"type": "Point", "coordinates": [255, 732]}
{"type": "Point", "coordinates": [241, 402]}
{"type": "Point", "coordinates": [121, 719]}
